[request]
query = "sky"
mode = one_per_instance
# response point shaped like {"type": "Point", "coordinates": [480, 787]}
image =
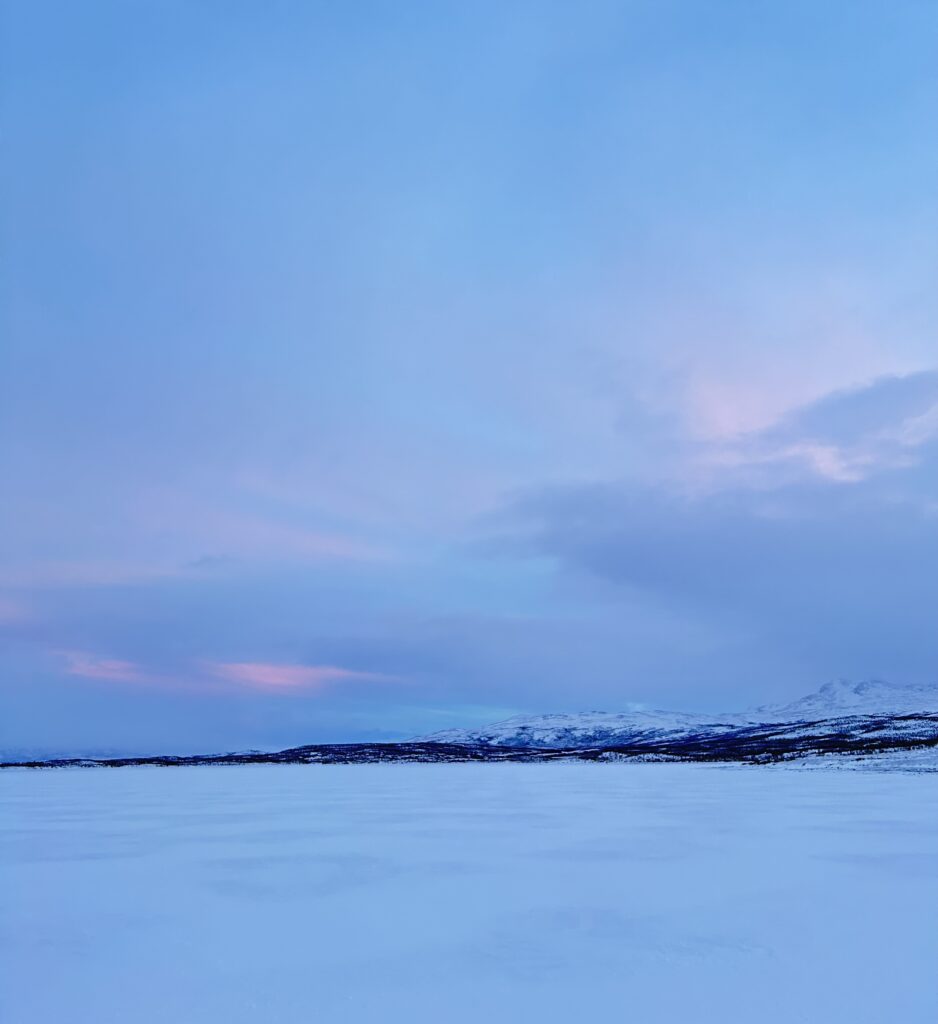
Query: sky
{"type": "Point", "coordinates": [372, 369]}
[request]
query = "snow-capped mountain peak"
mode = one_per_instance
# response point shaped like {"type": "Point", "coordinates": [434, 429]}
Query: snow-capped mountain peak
{"type": "Point", "coordinates": [869, 697]}
{"type": "Point", "coordinates": [596, 728]}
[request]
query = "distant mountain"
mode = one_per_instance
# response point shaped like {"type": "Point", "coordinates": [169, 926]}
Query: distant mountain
{"type": "Point", "coordinates": [871, 697]}
{"type": "Point", "coordinates": [587, 729]}
{"type": "Point", "coordinates": [834, 701]}
{"type": "Point", "coordinates": [843, 724]}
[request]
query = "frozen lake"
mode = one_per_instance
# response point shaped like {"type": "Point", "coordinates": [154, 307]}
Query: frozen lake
{"type": "Point", "coordinates": [461, 892]}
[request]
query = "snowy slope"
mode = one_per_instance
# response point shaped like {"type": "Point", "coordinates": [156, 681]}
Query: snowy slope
{"type": "Point", "coordinates": [871, 697]}
{"type": "Point", "coordinates": [589, 728]}
{"type": "Point", "coordinates": [834, 701]}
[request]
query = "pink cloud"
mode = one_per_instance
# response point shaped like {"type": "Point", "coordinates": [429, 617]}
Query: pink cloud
{"type": "Point", "coordinates": [91, 666]}
{"type": "Point", "coordinates": [269, 675]}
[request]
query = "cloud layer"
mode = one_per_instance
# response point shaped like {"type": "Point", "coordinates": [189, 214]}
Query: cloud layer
{"type": "Point", "coordinates": [365, 375]}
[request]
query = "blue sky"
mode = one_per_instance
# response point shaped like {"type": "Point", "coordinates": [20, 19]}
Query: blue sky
{"type": "Point", "coordinates": [371, 369]}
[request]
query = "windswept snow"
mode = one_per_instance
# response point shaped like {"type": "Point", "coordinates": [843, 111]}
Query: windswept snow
{"type": "Point", "coordinates": [466, 892]}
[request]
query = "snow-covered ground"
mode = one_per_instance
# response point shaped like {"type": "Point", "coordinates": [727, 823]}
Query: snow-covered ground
{"type": "Point", "coordinates": [466, 892]}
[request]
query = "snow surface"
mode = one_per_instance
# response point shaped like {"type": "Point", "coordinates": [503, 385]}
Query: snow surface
{"type": "Point", "coordinates": [924, 759]}
{"type": "Point", "coordinates": [596, 728]}
{"type": "Point", "coordinates": [467, 892]}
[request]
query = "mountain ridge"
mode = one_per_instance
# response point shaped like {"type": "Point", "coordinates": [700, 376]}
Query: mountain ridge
{"type": "Point", "coordinates": [833, 701]}
{"type": "Point", "coordinates": [844, 724]}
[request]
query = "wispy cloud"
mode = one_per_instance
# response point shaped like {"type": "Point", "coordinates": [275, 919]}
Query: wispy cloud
{"type": "Point", "coordinates": [275, 675]}
{"type": "Point", "coordinates": [258, 675]}
{"type": "Point", "coordinates": [221, 527]}
{"type": "Point", "coordinates": [257, 538]}
{"type": "Point", "coordinates": [93, 666]}
{"type": "Point", "coordinates": [233, 543]}
{"type": "Point", "coordinates": [90, 573]}
{"type": "Point", "coordinates": [827, 461]}
{"type": "Point", "coordinates": [845, 437]}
